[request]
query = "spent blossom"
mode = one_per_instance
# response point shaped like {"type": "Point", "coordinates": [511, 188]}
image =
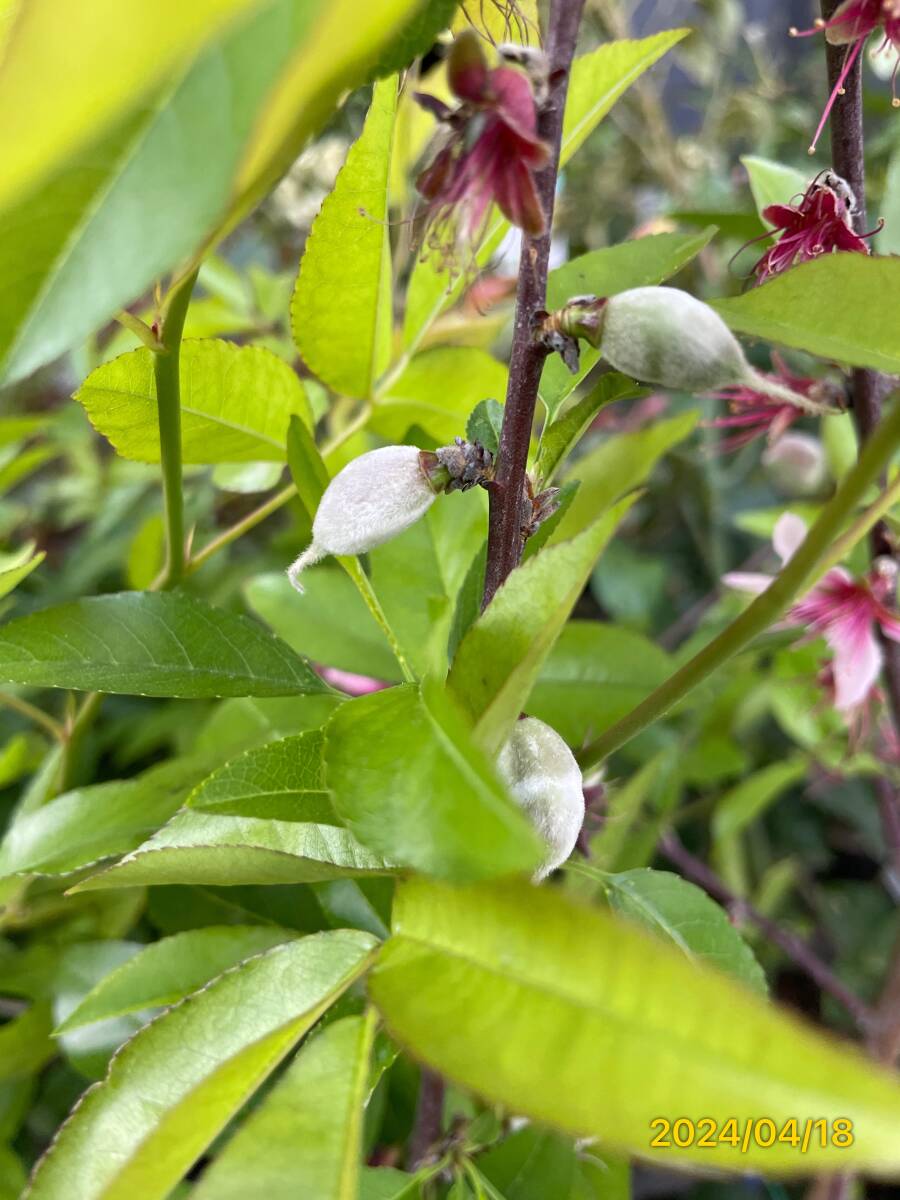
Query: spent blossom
{"type": "Point", "coordinates": [850, 25]}
{"type": "Point", "coordinates": [488, 152]}
{"type": "Point", "coordinates": [753, 414]}
{"type": "Point", "coordinates": [821, 222]}
{"type": "Point", "coordinates": [847, 611]}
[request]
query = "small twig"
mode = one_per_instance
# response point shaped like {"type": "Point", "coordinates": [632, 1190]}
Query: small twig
{"type": "Point", "coordinates": [429, 1117]}
{"type": "Point", "coordinates": [32, 713]}
{"type": "Point", "coordinates": [252, 519]}
{"type": "Point", "coordinates": [505, 541]}
{"type": "Point", "coordinates": [793, 946]}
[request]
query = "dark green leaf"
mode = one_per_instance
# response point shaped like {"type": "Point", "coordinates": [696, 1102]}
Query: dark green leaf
{"type": "Point", "coordinates": [563, 434]}
{"type": "Point", "coordinates": [149, 644]}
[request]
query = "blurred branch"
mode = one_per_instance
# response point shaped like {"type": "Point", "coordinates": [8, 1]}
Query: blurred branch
{"type": "Point", "coordinates": [32, 713]}
{"type": "Point", "coordinates": [793, 946]}
{"type": "Point", "coordinates": [527, 359]}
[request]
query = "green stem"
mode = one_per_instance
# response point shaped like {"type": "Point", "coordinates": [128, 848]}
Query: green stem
{"type": "Point", "coordinates": [243, 526]}
{"type": "Point", "coordinates": [365, 589]}
{"type": "Point", "coordinates": [75, 733]}
{"type": "Point", "coordinates": [168, 403]}
{"type": "Point", "coordinates": [814, 556]}
{"type": "Point", "coordinates": [36, 715]}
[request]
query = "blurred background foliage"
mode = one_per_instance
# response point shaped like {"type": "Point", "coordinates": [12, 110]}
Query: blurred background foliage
{"type": "Point", "coordinates": [760, 777]}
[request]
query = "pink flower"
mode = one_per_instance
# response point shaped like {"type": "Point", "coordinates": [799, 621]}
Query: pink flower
{"type": "Point", "coordinates": [850, 25]}
{"type": "Point", "coordinates": [351, 683]}
{"type": "Point", "coordinates": [489, 154]}
{"type": "Point", "coordinates": [755, 415]}
{"type": "Point", "coordinates": [848, 612]}
{"type": "Point", "coordinates": [821, 223]}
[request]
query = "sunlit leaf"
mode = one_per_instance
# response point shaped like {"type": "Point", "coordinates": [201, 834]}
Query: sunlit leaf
{"type": "Point", "coordinates": [597, 1029]}
{"type": "Point", "coordinates": [305, 1139]}
{"type": "Point", "coordinates": [178, 1082]}
{"type": "Point", "coordinates": [236, 403]}
{"type": "Point", "coordinates": [342, 320]}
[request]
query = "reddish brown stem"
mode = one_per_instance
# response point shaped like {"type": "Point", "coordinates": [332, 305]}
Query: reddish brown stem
{"type": "Point", "coordinates": [505, 541]}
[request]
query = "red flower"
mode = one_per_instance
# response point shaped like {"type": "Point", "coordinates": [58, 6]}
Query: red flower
{"type": "Point", "coordinates": [850, 25]}
{"type": "Point", "coordinates": [821, 223]}
{"type": "Point", "coordinates": [754, 414]}
{"type": "Point", "coordinates": [490, 152]}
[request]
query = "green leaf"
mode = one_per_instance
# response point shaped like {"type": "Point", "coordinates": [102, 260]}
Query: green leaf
{"type": "Point", "coordinates": [329, 622]}
{"type": "Point", "coordinates": [597, 81]}
{"type": "Point", "coordinates": [83, 826]}
{"type": "Point", "coordinates": [484, 424]}
{"type": "Point", "coordinates": [384, 1183]}
{"type": "Point", "coordinates": [168, 970]}
{"type": "Point", "coordinates": [417, 576]}
{"type": "Point", "coordinates": [202, 849]}
{"type": "Point", "coordinates": [638, 263]}
{"type": "Point", "coordinates": [139, 198]}
{"type": "Point", "coordinates": [593, 675]}
{"type": "Point", "coordinates": [773, 182]}
{"type": "Point", "coordinates": [25, 1043]}
{"type": "Point", "coordinates": [417, 37]}
{"type": "Point", "coordinates": [743, 805]}
{"type": "Point", "coordinates": [12, 1175]}
{"type": "Point", "coordinates": [100, 61]}
{"type": "Point", "coordinates": [306, 1138]}
{"type": "Point", "coordinates": [531, 1164]}
{"type": "Point", "coordinates": [437, 391]}
{"type": "Point", "coordinates": [598, 1029]}
{"type": "Point", "coordinates": [798, 309]}
{"type": "Point", "coordinates": [409, 781]}
{"type": "Point", "coordinates": [282, 780]}
{"type": "Point", "coordinates": [499, 658]}
{"type": "Point", "coordinates": [236, 403]}
{"type": "Point", "coordinates": [563, 433]}
{"type": "Point", "coordinates": [308, 470]}
{"type": "Point", "coordinates": [342, 319]}
{"type": "Point", "coordinates": [617, 465]}
{"type": "Point", "coordinates": [141, 643]}
{"type": "Point", "coordinates": [172, 1088]}
{"type": "Point", "coordinates": [679, 911]}
{"type": "Point", "coordinates": [600, 78]}
{"type": "Point", "coordinates": [17, 566]}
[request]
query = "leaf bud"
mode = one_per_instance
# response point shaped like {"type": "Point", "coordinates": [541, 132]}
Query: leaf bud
{"type": "Point", "coordinates": [373, 499]}
{"type": "Point", "coordinates": [545, 780]}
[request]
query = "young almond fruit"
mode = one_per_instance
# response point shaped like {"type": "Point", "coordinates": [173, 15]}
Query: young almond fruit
{"type": "Point", "coordinates": [374, 498]}
{"type": "Point", "coordinates": [545, 780]}
{"type": "Point", "coordinates": [665, 336]}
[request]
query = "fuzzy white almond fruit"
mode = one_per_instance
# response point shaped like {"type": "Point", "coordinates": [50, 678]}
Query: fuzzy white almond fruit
{"type": "Point", "coordinates": [373, 499]}
{"type": "Point", "coordinates": [545, 780]}
{"type": "Point", "coordinates": [665, 336]}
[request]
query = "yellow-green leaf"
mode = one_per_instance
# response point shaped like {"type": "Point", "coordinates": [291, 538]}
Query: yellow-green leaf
{"type": "Point", "coordinates": [565, 1014]}
{"type": "Point", "coordinates": [172, 1088]}
{"type": "Point", "coordinates": [305, 1139]}
{"type": "Point", "coordinates": [69, 70]}
{"type": "Point", "coordinates": [236, 403]}
{"type": "Point", "coordinates": [342, 310]}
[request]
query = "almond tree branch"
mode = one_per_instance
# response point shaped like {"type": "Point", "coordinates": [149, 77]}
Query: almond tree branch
{"type": "Point", "coordinates": [505, 541]}
{"type": "Point", "coordinates": [794, 947]}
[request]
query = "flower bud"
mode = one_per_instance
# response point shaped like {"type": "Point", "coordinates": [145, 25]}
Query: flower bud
{"type": "Point", "coordinates": [373, 499]}
{"type": "Point", "coordinates": [796, 465]}
{"type": "Point", "coordinates": [545, 780]}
